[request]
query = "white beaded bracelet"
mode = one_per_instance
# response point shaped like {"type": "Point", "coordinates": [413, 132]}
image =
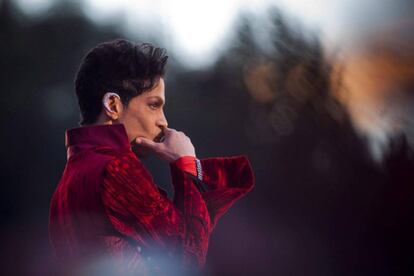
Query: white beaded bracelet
{"type": "Point", "coordinates": [199, 170]}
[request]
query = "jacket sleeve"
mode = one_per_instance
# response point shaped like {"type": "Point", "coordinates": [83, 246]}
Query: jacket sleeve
{"type": "Point", "coordinates": [138, 210]}
{"type": "Point", "coordinates": [225, 180]}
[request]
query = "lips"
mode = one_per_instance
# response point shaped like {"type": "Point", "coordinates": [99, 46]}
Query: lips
{"type": "Point", "coordinates": [159, 138]}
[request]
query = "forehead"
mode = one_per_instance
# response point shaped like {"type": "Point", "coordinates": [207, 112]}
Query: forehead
{"type": "Point", "coordinates": [157, 91]}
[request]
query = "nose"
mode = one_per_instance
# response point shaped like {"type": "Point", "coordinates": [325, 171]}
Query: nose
{"type": "Point", "coordinates": [162, 122]}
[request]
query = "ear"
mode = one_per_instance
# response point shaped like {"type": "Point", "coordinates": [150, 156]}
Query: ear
{"type": "Point", "coordinates": [112, 105]}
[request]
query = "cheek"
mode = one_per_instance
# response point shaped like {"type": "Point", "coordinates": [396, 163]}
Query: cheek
{"type": "Point", "coordinates": [142, 123]}
{"type": "Point", "coordinates": [149, 125]}
{"type": "Point", "coordinates": [131, 120]}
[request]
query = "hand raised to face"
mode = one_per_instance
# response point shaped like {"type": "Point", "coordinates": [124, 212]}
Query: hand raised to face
{"type": "Point", "coordinates": [172, 146]}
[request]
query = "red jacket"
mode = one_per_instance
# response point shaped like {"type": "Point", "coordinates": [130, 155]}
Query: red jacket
{"type": "Point", "coordinates": [107, 208]}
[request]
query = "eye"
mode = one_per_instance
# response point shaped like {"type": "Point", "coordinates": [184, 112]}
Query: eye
{"type": "Point", "coordinates": [154, 105]}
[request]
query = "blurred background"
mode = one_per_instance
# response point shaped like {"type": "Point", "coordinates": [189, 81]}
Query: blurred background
{"type": "Point", "coordinates": [318, 94]}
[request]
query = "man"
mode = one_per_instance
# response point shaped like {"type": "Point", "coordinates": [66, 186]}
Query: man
{"type": "Point", "coordinates": [107, 215]}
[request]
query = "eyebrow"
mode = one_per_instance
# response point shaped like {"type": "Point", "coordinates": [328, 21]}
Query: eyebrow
{"type": "Point", "coordinates": [156, 97]}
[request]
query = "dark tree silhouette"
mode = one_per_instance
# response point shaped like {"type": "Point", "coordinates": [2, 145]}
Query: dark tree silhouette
{"type": "Point", "coordinates": [321, 206]}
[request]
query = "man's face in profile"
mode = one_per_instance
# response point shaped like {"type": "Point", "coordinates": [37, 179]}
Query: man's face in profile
{"type": "Point", "coordinates": [144, 115]}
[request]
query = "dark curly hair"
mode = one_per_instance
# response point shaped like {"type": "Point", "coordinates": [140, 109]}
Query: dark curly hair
{"type": "Point", "coordinates": [119, 66]}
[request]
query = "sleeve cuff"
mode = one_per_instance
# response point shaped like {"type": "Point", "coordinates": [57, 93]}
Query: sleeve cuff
{"type": "Point", "coordinates": [187, 164]}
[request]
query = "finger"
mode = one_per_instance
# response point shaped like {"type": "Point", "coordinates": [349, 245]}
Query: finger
{"type": "Point", "coordinates": [147, 143]}
{"type": "Point", "coordinates": [168, 131]}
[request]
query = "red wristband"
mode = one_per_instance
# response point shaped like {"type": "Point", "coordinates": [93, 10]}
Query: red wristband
{"type": "Point", "coordinates": [187, 164]}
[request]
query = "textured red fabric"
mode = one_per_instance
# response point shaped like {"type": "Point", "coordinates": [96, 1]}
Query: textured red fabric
{"type": "Point", "coordinates": [187, 164]}
{"type": "Point", "coordinates": [107, 212]}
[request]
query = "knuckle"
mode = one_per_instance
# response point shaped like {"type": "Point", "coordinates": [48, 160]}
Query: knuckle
{"type": "Point", "coordinates": [168, 131]}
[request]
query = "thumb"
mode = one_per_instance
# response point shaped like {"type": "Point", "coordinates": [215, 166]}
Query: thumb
{"type": "Point", "coordinates": [147, 143]}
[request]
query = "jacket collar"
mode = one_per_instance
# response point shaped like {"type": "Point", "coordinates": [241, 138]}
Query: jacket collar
{"type": "Point", "coordinates": [108, 136]}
